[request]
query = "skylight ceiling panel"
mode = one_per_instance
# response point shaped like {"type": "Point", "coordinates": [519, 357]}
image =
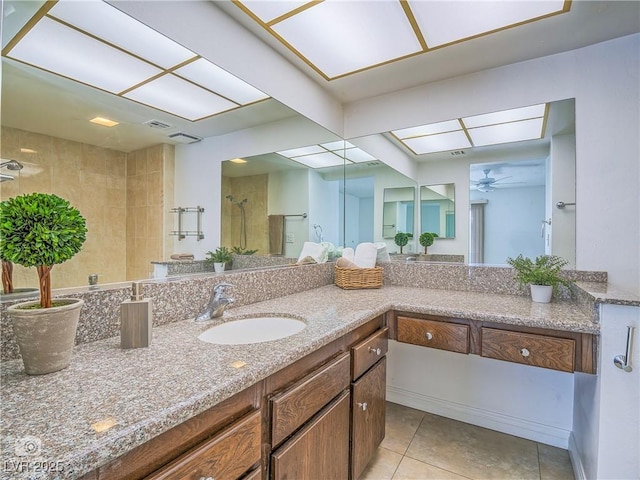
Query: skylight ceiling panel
{"type": "Point", "coordinates": [430, 129]}
{"type": "Point", "coordinates": [113, 26]}
{"type": "Point", "coordinates": [507, 132]}
{"type": "Point", "coordinates": [220, 81]}
{"type": "Point", "coordinates": [441, 142]}
{"type": "Point", "coordinates": [340, 37]}
{"type": "Point", "coordinates": [532, 111]}
{"type": "Point", "coordinates": [357, 155]}
{"type": "Point", "coordinates": [65, 51]}
{"type": "Point", "coordinates": [296, 152]}
{"type": "Point", "coordinates": [270, 10]}
{"type": "Point", "coordinates": [443, 22]}
{"type": "Point", "coordinates": [338, 145]}
{"type": "Point", "coordinates": [320, 160]}
{"type": "Point", "coordinates": [179, 97]}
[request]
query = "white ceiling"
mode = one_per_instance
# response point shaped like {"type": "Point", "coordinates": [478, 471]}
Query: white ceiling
{"type": "Point", "coordinates": [38, 101]}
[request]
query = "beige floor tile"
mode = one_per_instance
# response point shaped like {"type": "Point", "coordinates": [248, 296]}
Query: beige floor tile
{"type": "Point", "coordinates": [472, 451]}
{"type": "Point", "coordinates": [382, 466]}
{"type": "Point", "coordinates": [410, 469]}
{"type": "Point", "coordinates": [555, 463]}
{"type": "Point", "coordinates": [400, 427]}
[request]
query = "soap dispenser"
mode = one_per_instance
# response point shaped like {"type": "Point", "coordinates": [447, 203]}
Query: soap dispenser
{"type": "Point", "coordinates": [136, 319]}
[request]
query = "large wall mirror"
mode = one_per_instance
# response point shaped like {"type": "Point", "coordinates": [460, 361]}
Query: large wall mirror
{"type": "Point", "coordinates": [437, 210]}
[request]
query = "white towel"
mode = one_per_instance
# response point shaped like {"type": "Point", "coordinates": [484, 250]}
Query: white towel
{"type": "Point", "coordinates": [383, 254]}
{"type": "Point", "coordinates": [314, 250]}
{"type": "Point", "coordinates": [348, 253]}
{"type": "Point", "coordinates": [366, 254]}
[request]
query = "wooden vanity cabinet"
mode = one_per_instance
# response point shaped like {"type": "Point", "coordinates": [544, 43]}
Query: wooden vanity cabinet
{"type": "Point", "coordinates": [368, 394]}
{"type": "Point", "coordinates": [540, 347]}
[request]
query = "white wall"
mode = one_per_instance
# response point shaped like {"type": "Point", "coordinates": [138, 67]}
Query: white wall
{"type": "Point", "coordinates": [606, 437]}
{"type": "Point", "coordinates": [604, 80]}
{"type": "Point", "coordinates": [284, 200]}
{"type": "Point", "coordinates": [512, 221]}
{"type": "Point", "coordinates": [529, 402]}
{"type": "Point", "coordinates": [563, 189]}
{"type": "Point", "coordinates": [324, 206]}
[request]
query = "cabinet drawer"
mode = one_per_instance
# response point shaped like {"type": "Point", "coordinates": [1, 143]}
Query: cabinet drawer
{"type": "Point", "coordinates": [291, 408]}
{"type": "Point", "coordinates": [368, 352]}
{"type": "Point", "coordinates": [529, 349]}
{"type": "Point", "coordinates": [428, 333]}
{"type": "Point", "coordinates": [226, 455]}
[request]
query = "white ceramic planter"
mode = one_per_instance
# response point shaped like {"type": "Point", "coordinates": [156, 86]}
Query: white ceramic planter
{"type": "Point", "coordinates": [541, 293]}
{"type": "Point", "coordinates": [46, 336]}
{"type": "Point", "coordinates": [218, 267]}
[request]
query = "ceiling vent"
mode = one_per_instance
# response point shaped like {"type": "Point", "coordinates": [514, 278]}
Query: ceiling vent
{"type": "Point", "coordinates": [373, 164]}
{"type": "Point", "coordinates": [157, 124]}
{"type": "Point", "coordinates": [184, 138]}
{"type": "Point", "coordinates": [457, 153]}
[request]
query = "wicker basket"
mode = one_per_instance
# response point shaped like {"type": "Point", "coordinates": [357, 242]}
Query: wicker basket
{"type": "Point", "coordinates": [356, 278]}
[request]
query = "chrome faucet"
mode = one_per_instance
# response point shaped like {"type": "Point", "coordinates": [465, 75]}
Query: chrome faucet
{"type": "Point", "coordinates": [217, 303]}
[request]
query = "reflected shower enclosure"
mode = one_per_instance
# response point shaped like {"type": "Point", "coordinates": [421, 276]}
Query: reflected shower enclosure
{"type": "Point", "coordinates": [243, 220]}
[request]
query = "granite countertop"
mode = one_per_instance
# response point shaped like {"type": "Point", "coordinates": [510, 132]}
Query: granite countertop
{"type": "Point", "coordinates": [141, 393]}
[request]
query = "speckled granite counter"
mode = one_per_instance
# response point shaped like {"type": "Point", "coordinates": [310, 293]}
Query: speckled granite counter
{"type": "Point", "coordinates": [145, 392]}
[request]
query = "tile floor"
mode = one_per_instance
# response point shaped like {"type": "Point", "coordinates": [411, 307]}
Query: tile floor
{"type": "Point", "coordinates": [423, 446]}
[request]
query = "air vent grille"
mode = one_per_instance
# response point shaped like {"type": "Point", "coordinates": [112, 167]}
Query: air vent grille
{"type": "Point", "coordinates": [157, 124]}
{"type": "Point", "coordinates": [373, 164]}
{"type": "Point", "coordinates": [184, 137]}
{"type": "Point", "coordinates": [457, 153]}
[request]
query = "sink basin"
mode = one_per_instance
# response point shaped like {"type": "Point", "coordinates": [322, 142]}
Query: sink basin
{"type": "Point", "coordinates": [252, 330]}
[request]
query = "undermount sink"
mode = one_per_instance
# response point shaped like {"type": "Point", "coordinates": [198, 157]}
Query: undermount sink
{"type": "Point", "coordinates": [252, 330]}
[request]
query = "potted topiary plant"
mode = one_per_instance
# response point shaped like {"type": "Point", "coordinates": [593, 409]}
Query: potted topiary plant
{"type": "Point", "coordinates": [42, 230]}
{"type": "Point", "coordinates": [426, 240]}
{"type": "Point", "coordinates": [401, 239]}
{"type": "Point", "coordinates": [219, 258]}
{"type": "Point", "coordinates": [542, 275]}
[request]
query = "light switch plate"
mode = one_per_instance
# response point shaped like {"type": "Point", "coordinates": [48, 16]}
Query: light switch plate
{"type": "Point", "coordinates": [289, 238]}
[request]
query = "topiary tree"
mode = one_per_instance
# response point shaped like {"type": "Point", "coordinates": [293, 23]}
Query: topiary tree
{"type": "Point", "coordinates": [40, 230]}
{"type": "Point", "coordinates": [401, 239]}
{"type": "Point", "coordinates": [426, 240]}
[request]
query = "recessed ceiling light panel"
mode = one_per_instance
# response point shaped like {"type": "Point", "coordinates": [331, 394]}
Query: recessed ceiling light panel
{"type": "Point", "coordinates": [357, 155]}
{"type": "Point", "coordinates": [220, 81]}
{"type": "Point", "coordinates": [447, 22]}
{"type": "Point", "coordinates": [67, 52]}
{"type": "Point", "coordinates": [110, 24]}
{"type": "Point", "coordinates": [430, 129]}
{"type": "Point", "coordinates": [177, 96]}
{"type": "Point", "coordinates": [342, 37]}
{"type": "Point", "coordinates": [268, 11]}
{"type": "Point", "coordinates": [296, 152]}
{"type": "Point", "coordinates": [515, 114]}
{"type": "Point", "coordinates": [438, 143]}
{"type": "Point", "coordinates": [507, 132]}
{"type": "Point", "coordinates": [320, 160]}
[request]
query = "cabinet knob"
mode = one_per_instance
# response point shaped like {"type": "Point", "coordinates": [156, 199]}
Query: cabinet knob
{"type": "Point", "coordinates": [524, 352]}
{"type": "Point", "coordinates": [429, 335]}
{"type": "Point", "coordinates": [207, 478]}
{"type": "Point", "coordinates": [377, 351]}
{"type": "Point", "coordinates": [362, 405]}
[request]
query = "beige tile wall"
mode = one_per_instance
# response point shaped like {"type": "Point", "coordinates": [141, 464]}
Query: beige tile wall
{"type": "Point", "coordinates": [255, 190]}
{"type": "Point", "coordinates": [121, 196]}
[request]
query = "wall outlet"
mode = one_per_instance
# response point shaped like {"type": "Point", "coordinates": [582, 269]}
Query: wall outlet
{"type": "Point", "coordinates": [289, 238]}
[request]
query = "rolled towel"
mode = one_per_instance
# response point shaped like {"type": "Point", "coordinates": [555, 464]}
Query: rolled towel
{"type": "Point", "coordinates": [314, 250]}
{"type": "Point", "coordinates": [383, 254]}
{"type": "Point", "coordinates": [366, 254]}
{"type": "Point", "coordinates": [344, 263]}
{"type": "Point", "coordinates": [348, 253]}
{"type": "Point", "coordinates": [182, 256]}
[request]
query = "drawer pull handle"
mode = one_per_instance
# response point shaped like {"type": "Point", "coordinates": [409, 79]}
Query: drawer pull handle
{"type": "Point", "coordinates": [524, 352]}
{"type": "Point", "coordinates": [377, 351]}
{"type": "Point", "coordinates": [207, 478]}
{"type": "Point", "coordinates": [429, 335]}
{"type": "Point", "coordinates": [363, 406]}
{"type": "Point", "coordinates": [624, 361]}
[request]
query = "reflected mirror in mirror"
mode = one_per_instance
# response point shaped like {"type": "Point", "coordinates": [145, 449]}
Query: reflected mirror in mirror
{"type": "Point", "coordinates": [437, 210]}
{"type": "Point", "coordinates": [398, 211]}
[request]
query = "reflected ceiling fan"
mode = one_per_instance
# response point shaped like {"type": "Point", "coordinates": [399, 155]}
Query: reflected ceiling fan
{"type": "Point", "coordinates": [489, 184]}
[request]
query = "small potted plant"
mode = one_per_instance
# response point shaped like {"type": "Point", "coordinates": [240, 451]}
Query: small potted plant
{"type": "Point", "coordinates": [401, 239]}
{"type": "Point", "coordinates": [42, 230]}
{"type": "Point", "coordinates": [426, 240]}
{"type": "Point", "coordinates": [542, 275]}
{"type": "Point", "coordinates": [219, 258]}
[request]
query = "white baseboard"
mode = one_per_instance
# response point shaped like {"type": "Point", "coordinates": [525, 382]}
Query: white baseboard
{"type": "Point", "coordinates": [519, 427]}
{"type": "Point", "coordinates": [576, 459]}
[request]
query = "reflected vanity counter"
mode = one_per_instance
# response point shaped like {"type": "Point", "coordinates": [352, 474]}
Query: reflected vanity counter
{"type": "Point", "coordinates": [174, 268]}
{"type": "Point", "coordinates": [430, 257]}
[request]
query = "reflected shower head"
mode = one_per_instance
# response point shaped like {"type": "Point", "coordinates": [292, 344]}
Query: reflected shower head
{"type": "Point", "coordinates": [12, 165]}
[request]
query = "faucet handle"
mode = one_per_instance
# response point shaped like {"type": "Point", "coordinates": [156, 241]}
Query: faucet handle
{"type": "Point", "coordinates": [222, 287]}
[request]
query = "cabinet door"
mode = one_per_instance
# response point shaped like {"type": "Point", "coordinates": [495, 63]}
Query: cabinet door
{"type": "Point", "coordinates": [320, 450]}
{"type": "Point", "coordinates": [367, 429]}
{"type": "Point", "coordinates": [226, 455]}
